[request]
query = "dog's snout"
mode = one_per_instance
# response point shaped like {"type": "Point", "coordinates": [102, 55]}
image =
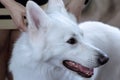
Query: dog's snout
{"type": "Point", "coordinates": [102, 59]}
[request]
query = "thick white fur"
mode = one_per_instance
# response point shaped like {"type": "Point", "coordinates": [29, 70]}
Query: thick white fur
{"type": "Point", "coordinates": [39, 52]}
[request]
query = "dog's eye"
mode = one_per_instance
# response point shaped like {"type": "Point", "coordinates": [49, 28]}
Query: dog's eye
{"type": "Point", "coordinates": [72, 41]}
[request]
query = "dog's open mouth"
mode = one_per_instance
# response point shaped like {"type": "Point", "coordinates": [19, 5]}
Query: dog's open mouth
{"type": "Point", "coordinates": [76, 67]}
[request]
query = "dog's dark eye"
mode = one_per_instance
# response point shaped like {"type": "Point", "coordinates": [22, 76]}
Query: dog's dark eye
{"type": "Point", "coordinates": [72, 41]}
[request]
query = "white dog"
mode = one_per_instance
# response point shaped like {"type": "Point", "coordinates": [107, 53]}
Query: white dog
{"type": "Point", "coordinates": [55, 48]}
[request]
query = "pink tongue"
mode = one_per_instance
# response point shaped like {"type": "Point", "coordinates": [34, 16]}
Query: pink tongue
{"type": "Point", "coordinates": [85, 70]}
{"type": "Point", "coordinates": [79, 68]}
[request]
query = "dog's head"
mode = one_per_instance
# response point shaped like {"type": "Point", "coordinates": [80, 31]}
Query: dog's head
{"type": "Point", "coordinates": [57, 40]}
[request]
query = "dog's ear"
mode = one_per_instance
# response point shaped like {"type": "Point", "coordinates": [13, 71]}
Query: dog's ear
{"type": "Point", "coordinates": [36, 17]}
{"type": "Point", "coordinates": [56, 6]}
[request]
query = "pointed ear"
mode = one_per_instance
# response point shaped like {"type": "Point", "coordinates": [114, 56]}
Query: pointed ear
{"type": "Point", "coordinates": [56, 5]}
{"type": "Point", "coordinates": [35, 15]}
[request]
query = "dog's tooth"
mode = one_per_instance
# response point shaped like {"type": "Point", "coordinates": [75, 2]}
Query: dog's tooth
{"type": "Point", "coordinates": [76, 66]}
{"type": "Point", "coordinates": [73, 63]}
{"type": "Point", "coordinates": [88, 73]}
{"type": "Point", "coordinates": [69, 63]}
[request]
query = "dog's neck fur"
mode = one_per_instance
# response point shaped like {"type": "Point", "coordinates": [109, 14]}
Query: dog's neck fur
{"type": "Point", "coordinates": [46, 72]}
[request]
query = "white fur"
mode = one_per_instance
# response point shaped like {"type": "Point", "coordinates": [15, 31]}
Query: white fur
{"type": "Point", "coordinates": [39, 52]}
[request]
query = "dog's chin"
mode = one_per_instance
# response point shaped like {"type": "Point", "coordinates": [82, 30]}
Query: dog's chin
{"type": "Point", "coordinates": [78, 68]}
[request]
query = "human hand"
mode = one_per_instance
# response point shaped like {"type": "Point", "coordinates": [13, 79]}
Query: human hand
{"type": "Point", "coordinates": [17, 12]}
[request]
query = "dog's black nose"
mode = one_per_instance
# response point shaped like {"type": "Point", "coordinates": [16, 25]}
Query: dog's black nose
{"type": "Point", "coordinates": [102, 59]}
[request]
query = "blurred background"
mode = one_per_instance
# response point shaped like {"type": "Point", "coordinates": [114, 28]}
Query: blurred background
{"type": "Point", "coordinates": [107, 11]}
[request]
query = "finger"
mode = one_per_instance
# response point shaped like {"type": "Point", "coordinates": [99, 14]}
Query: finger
{"type": "Point", "coordinates": [22, 26]}
{"type": "Point", "coordinates": [20, 23]}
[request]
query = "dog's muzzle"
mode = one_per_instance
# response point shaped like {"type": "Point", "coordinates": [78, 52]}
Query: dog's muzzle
{"type": "Point", "coordinates": [82, 70]}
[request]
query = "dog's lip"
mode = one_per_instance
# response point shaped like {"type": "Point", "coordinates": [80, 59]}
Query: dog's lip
{"type": "Point", "coordinates": [80, 69]}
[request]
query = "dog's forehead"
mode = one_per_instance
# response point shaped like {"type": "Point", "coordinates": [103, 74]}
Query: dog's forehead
{"type": "Point", "coordinates": [63, 27]}
{"type": "Point", "coordinates": [63, 21]}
